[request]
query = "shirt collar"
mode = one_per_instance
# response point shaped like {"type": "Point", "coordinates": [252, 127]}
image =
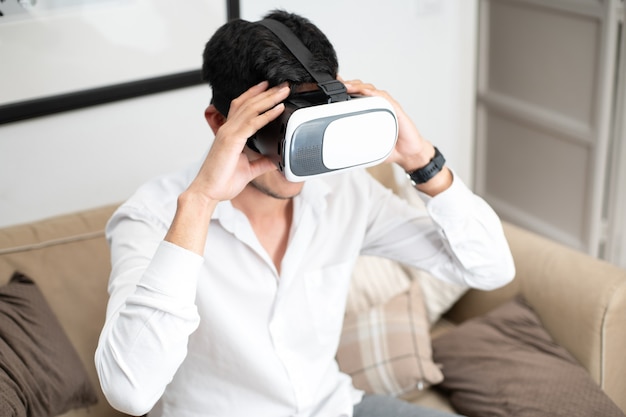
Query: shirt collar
{"type": "Point", "coordinates": [314, 195]}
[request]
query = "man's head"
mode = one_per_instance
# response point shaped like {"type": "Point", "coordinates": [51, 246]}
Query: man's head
{"type": "Point", "coordinates": [241, 54]}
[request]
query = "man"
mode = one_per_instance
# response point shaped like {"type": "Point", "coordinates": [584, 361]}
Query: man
{"type": "Point", "coordinates": [229, 282]}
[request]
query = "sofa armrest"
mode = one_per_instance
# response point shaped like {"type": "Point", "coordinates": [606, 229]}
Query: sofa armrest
{"type": "Point", "coordinates": [581, 302]}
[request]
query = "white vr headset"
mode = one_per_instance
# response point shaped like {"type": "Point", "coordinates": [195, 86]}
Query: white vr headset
{"type": "Point", "coordinates": [325, 131]}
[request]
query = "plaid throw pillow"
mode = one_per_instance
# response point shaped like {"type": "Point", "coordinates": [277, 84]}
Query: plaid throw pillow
{"type": "Point", "coordinates": [387, 349]}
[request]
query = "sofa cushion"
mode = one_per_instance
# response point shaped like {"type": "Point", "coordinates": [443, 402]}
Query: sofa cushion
{"type": "Point", "coordinates": [40, 372]}
{"type": "Point", "coordinates": [505, 363]}
{"type": "Point", "coordinates": [386, 349]}
{"type": "Point", "coordinates": [375, 280]}
{"type": "Point", "coordinates": [439, 296]}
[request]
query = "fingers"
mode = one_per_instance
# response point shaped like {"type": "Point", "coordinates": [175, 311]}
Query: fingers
{"type": "Point", "coordinates": [255, 108]}
{"type": "Point", "coordinates": [359, 87]}
{"type": "Point", "coordinates": [261, 166]}
{"type": "Point", "coordinates": [256, 92]}
{"type": "Point", "coordinates": [258, 99]}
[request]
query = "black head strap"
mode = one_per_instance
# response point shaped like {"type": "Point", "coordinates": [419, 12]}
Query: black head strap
{"type": "Point", "coordinates": [334, 89]}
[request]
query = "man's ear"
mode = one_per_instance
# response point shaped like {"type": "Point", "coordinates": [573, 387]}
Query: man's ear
{"type": "Point", "coordinates": [214, 118]}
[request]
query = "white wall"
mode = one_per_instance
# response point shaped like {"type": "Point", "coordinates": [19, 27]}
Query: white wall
{"type": "Point", "coordinates": [421, 51]}
{"type": "Point", "coordinates": [57, 46]}
{"type": "Point", "coordinates": [98, 155]}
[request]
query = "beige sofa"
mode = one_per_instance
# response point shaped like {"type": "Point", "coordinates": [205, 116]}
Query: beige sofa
{"type": "Point", "coordinates": [580, 300]}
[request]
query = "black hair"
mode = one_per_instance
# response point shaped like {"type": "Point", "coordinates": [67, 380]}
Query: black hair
{"type": "Point", "coordinates": [241, 54]}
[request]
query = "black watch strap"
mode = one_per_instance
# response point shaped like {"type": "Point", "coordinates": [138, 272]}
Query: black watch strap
{"type": "Point", "coordinates": [421, 175]}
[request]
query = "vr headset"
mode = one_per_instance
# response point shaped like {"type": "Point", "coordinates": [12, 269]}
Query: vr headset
{"type": "Point", "coordinates": [325, 131]}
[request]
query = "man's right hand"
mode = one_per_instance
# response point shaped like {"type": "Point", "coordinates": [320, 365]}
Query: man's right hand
{"type": "Point", "coordinates": [226, 170]}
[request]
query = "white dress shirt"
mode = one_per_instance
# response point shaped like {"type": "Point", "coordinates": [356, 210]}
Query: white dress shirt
{"type": "Point", "coordinates": [226, 335]}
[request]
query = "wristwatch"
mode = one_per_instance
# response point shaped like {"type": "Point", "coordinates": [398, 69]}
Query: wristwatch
{"type": "Point", "coordinates": [421, 175]}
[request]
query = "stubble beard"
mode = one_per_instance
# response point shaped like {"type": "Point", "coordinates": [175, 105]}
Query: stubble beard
{"type": "Point", "coordinates": [268, 192]}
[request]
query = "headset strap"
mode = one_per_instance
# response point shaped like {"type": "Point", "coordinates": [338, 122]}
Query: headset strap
{"type": "Point", "coordinates": [333, 88]}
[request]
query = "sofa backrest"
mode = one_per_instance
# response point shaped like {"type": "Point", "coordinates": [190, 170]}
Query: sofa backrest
{"type": "Point", "coordinates": [68, 258]}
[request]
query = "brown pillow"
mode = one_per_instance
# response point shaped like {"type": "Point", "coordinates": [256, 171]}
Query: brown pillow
{"type": "Point", "coordinates": [387, 349]}
{"type": "Point", "coordinates": [506, 364]}
{"type": "Point", "coordinates": [40, 372]}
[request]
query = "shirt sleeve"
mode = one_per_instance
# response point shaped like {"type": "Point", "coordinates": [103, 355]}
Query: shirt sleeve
{"type": "Point", "coordinates": [456, 236]}
{"type": "Point", "coordinates": [150, 314]}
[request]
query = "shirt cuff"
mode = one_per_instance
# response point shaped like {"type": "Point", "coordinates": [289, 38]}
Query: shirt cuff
{"type": "Point", "coordinates": [448, 202]}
